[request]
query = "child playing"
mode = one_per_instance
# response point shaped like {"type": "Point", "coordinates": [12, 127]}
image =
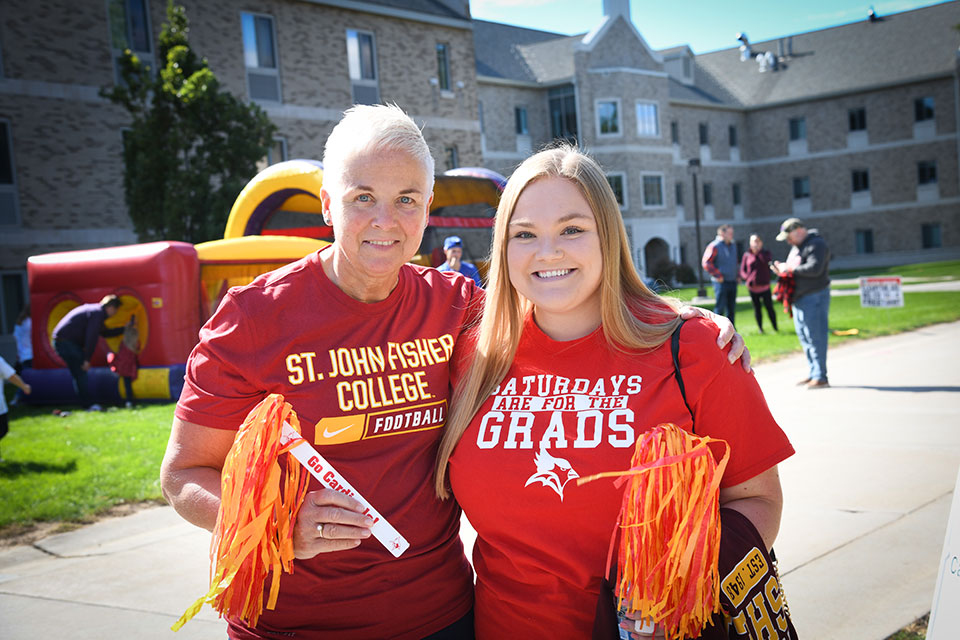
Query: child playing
{"type": "Point", "coordinates": [8, 373]}
{"type": "Point", "coordinates": [124, 361]}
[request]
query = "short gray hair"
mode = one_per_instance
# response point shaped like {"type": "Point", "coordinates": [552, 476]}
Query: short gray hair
{"type": "Point", "coordinates": [370, 128]}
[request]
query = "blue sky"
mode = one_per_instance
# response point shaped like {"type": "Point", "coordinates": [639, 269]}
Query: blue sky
{"type": "Point", "coordinates": [705, 25]}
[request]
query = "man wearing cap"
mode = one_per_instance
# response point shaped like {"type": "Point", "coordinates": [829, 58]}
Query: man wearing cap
{"type": "Point", "coordinates": [453, 248]}
{"type": "Point", "coordinates": [720, 261]}
{"type": "Point", "coordinates": [808, 263]}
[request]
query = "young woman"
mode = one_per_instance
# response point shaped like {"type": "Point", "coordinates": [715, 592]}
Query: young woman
{"type": "Point", "coordinates": [755, 272]}
{"type": "Point", "coordinates": [572, 363]}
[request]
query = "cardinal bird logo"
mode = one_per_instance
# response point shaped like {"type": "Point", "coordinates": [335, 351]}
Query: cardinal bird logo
{"type": "Point", "coordinates": [552, 472]}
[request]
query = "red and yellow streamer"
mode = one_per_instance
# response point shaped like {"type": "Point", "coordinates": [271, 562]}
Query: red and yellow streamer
{"type": "Point", "coordinates": [669, 527]}
{"type": "Point", "coordinates": [253, 537]}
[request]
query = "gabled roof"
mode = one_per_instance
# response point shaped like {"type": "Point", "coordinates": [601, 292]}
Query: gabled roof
{"type": "Point", "coordinates": [550, 61]}
{"type": "Point", "coordinates": [431, 7]}
{"type": "Point", "coordinates": [502, 51]}
{"type": "Point", "coordinates": [899, 48]}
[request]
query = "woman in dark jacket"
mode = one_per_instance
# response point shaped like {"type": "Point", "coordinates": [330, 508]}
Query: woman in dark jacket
{"type": "Point", "coordinates": [755, 272]}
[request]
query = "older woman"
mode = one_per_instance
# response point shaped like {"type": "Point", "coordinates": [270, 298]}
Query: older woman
{"type": "Point", "coordinates": [572, 364]}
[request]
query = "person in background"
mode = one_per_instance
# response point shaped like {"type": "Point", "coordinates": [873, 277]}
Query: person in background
{"type": "Point", "coordinates": [22, 335]}
{"type": "Point", "coordinates": [809, 264]}
{"type": "Point", "coordinates": [124, 362]}
{"type": "Point", "coordinates": [75, 339]}
{"type": "Point", "coordinates": [453, 249]}
{"type": "Point", "coordinates": [720, 261]}
{"type": "Point", "coordinates": [755, 272]}
{"type": "Point", "coordinates": [8, 373]}
{"type": "Point", "coordinates": [572, 364]}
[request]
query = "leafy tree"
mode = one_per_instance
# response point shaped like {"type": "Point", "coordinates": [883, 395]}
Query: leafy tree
{"type": "Point", "coordinates": [192, 146]}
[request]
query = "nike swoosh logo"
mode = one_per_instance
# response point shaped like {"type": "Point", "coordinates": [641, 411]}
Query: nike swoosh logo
{"type": "Point", "coordinates": [330, 434]}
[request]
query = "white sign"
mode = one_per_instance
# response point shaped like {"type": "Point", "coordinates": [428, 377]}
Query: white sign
{"type": "Point", "coordinates": [944, 613]}
{"type": "Point", "coordinates": [886, 291]}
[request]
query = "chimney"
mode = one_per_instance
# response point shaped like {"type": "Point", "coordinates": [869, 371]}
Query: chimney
{"type": "Point", "coordinates": [614, 8]}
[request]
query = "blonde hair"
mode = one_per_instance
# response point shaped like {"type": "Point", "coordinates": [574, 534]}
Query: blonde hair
{"type": "Point", "coordinates": [632, 316]}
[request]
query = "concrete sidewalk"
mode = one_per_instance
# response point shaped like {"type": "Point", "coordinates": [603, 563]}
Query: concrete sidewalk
{"type": "Point", "coordinates": [866, 504]}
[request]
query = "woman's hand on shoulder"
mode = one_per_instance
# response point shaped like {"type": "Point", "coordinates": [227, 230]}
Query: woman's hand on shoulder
{"type": "Point", "coordinates": [728, 333]}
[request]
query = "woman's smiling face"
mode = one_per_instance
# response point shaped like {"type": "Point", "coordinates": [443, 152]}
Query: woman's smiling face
{"type": "Point", "coordinates": [554, 257]}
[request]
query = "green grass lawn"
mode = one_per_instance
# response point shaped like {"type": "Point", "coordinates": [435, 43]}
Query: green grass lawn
{"type": "Point", "coordinates": [70, 469]}
{"type": "Point", "coordinates": [74, 467]}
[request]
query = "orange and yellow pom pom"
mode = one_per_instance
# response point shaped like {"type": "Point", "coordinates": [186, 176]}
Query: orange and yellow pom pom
{"type": "Point", "coordinates": [670, 530]}
{"type": "Point", "coordinates": [253, 536]}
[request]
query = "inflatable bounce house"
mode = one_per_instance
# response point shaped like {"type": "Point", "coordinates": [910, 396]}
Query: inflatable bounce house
{"type": "Point", "coordinates": [173, 287]}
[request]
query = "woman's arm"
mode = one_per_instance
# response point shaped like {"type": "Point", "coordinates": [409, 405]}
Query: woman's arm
{"type": "Point", "coordinates": [190, 481]}
{"type": "Point", "coordinates": [760, 499]}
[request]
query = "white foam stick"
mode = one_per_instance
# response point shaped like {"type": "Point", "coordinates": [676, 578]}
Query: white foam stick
{"type": "Point", "coordinates": [323, 471]}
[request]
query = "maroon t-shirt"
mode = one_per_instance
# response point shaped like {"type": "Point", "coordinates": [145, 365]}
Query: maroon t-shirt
{"type": "Point", "coordinates": [370, 384]}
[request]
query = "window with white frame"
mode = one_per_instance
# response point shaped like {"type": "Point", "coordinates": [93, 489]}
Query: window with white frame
{"type": "Point", "coordinates": [608, 117]}
{"type": "Point", "coordinates": [9, 203]}
{"type": "Point", "coordinates": [443, 66]}
{"type": "Point", "coordinates": [648, 120]}
{"type": "Point", "coordinates": [860, 180]}
{"type": "Point", "coordinates": [618, 183]}
{"type": "Point", "coordinates": [798, 129]}
{"type": "Point", "coordinates": [260, 57]}
{"type": "Point", "coordinates": [652, 190]}
{"type": "Point", "coordinates": [362, 64]}
{"type": "Point", "coordinates": [927, 172]}
{"type": "Point", "coordinates": [451, 157]}
{"type": "Point", "coordinates": [923, 109]}
{"type": "Point", "coordinates": [520, 121]}
{"type": "Point", "coordinates": [129, 22]}
{"type": "Point", "coordinates": [276, 153]}
{"type": "Point", "coordinates": [858, 119]}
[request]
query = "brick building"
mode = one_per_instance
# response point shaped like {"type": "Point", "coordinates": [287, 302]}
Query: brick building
{"type": "Point", "coordinates": [304, 62]}
{"type": "Point", "coordinates": [854, 128]}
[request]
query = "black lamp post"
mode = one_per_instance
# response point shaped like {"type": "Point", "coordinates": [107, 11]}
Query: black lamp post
{"type": "Point", "coordinates": [694, 164]}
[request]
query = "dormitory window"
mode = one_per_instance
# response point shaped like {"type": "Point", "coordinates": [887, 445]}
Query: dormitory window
{"type": "Point", "coordinates": [798, 128]}
{"type": "Point", "coordinates": [861, 180]}
{"type": "Point", "coordinates": [9, 209]}
{"type": "Point", "coordinates": [801, 188]}
{"type": "Point", "coordinates": [451, 158]}
{"type": "Point", "coordinates": [652, 191]}
{"type": "Point", "coordinates": [864, 239]}
{"type": "Point", "coordinates": [362, 63]}
{"type": "Point", "coordinates": [923, 109]}
{"type": "Point", "coordinates": [563, 113]}
{"type": "Point", "coordinates": [927, 172]}
{"type": "Point", "coordinates": [276, 153]}
{"type": "Point", "coordinates": [260, 57]}
{"type": "Point", "coordinates": [648, 123]}
{"type": "Point", "coordinates": [704, 134]}
{"type": "Point", "coordinates": [443, 67]}
{"type": "Point", "coordinates": [736, 194]}
{"type": "Point", "coordinates": [930, 235]}
{"type": "Point", "coordinates": [707, 194]}
{"type": "Point", "coordinates": [679, 194]}
{"type": "Point", "coordinates": [732, 132]}
{"type": "Point", "coordinates": [858, 119]}
{"type": "Point", "coordinates": [674, 132]}
{"type": "Point", "coordinates": [616, 181]}
{"type": "Point", "coordinates": [608, 117]}
{"type": "Point", "coordinates": [129, 29]}
{"type": "Point", "coordinates": [520, 121]}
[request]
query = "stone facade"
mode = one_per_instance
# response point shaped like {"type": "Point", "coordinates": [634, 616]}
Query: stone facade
{"type": "Point", "coordinates": [66, 141]}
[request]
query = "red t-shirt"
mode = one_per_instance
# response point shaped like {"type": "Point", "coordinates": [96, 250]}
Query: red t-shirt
{"type": "Point", "coordinates": [370, 384]}
{"type": "Point", "coordinates": [572, 409]}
